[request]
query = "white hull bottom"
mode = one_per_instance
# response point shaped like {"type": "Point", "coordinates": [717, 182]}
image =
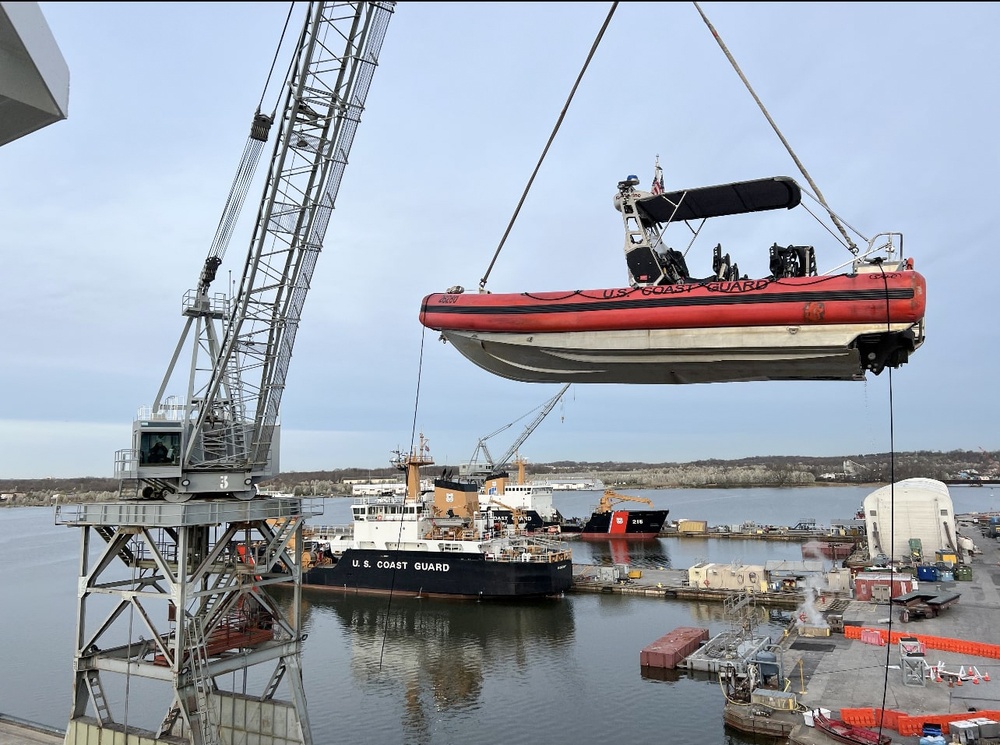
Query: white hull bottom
{"type": "Point", "coordinates": [701, 355]}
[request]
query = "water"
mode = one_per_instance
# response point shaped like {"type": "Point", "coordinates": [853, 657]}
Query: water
{"type": "Point", "coordinates": [431, 672]}
{"type": "Point", "coordinates": [719, 507]}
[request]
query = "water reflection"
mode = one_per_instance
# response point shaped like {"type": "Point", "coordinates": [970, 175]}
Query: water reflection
{"type": "Point", "coordinates": [437, 655]}
{"type": "Point", "coordinates": [650, 553]}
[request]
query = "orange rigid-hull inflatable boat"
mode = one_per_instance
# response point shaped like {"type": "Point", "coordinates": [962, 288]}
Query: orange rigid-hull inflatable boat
{"type": "Point", "coordinates": [668, 327]}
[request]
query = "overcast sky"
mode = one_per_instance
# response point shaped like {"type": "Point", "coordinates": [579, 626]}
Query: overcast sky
{"type": "Point", "coordinates": [108, 217]}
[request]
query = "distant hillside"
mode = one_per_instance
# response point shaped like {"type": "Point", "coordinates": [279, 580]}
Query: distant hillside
{"type": "Point", "coordinates": [775, 470]}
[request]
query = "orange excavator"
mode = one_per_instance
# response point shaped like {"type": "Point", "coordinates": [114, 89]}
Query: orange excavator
{"type": "Point", "coordinates": [517, 517]}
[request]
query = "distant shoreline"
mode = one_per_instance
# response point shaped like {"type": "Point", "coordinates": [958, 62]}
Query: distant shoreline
{"type": "Point", "coordinates": [967, 468]}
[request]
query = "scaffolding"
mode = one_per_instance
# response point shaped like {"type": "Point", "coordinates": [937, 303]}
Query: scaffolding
{"type": "Point", "coordinates": [179, 611]}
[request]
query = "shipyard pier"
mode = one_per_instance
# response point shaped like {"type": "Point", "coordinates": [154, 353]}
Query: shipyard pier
{"type": "Point", "coordinates": [431, 660]}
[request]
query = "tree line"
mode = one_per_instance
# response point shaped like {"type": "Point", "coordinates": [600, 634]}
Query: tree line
{"type": "Point", "coordinates": [879, 468]}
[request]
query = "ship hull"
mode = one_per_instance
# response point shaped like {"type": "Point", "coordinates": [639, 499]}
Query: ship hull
{"type": "Point", "coordinates": [426, 573]}
{"type": "Point", "coordinates": [625, 524]}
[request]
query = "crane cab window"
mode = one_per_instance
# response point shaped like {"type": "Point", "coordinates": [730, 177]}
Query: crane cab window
{"type": "Point", "coordinates": [160, 448]}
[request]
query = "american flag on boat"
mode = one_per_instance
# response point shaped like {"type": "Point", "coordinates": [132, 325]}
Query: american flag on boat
{"type": "Point", "coordinates": [657, 187]}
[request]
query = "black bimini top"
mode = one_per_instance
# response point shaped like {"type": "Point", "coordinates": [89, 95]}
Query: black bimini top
{"type": "Point", "coordinates": [716, 201]}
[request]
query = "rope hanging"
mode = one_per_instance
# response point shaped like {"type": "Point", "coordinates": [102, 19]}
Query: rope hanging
{"type": "Point", "coordinates": [562, 115]}
{"type": "Point", "coordinates": [819, 196]}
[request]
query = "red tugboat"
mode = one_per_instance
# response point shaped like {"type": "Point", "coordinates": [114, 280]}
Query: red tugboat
{"type": "Point", "coordinates": [607, 522]}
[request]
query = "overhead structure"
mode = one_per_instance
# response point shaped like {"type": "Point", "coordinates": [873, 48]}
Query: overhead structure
{"type": "Point", "coordinates": [610, 498]}
{"type": "Point", "coordinates": [174, 608]}
{"type": "Point", "coordinates": [34, 84]}
{"type": "Point", "coordinates": [178, 595]}
{"type": "Point", "coordinates": [668, 327]}
{"type": "Point", "coordinates": [488, 467]}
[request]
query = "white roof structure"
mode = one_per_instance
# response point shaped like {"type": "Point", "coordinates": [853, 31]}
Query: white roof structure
{"type": "Point", "coordinates": [34, 77]}
{"type": "Point", "coordinates": [809, 566]}
{"type": "Point", "coordinates": [913, 508]}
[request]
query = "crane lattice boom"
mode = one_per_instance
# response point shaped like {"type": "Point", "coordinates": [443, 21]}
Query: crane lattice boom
{"type": "Point", "coordinates": [222, 438]}
{"type": "Point", "coordinates": [476, 470]}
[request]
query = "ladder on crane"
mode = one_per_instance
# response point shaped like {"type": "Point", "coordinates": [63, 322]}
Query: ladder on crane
{"type": "Point", "coordinates": [98, 697]}
{"type": "Point", "coordinates": [204, 685]}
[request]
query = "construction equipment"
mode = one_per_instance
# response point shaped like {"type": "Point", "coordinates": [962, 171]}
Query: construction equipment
{"type": "Point", "coordinates": [610, 498]}
{"type": "Point", "coordinates": [923, 604]}
{"type": "Point", "coordinates": [221, 437]}
{"type": "Point", "coordinates": [188, 582]}
{"type": "Point", "coordinates": [518, 519]}
{"type": "Point", "coordinates": [482, 470]}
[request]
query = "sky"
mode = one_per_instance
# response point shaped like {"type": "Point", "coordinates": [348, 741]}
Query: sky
{"type": "Point", "coordinates": [109, 214]}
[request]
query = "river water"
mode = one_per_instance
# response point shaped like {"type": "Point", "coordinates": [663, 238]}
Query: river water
{"type": "Point", "coordinates": [432, 672]}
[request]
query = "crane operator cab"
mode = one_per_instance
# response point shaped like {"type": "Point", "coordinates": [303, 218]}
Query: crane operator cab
{"type": "Point", "coordinates": [158, 468]}
{"type": "Point", "coordinates": [160, 448]}
{"type": "Point", "coordinates": [154, 461]}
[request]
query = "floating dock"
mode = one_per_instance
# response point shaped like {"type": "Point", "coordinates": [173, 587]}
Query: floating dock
{"type": "Point", "coordinates": [728, 649]}
{"type": "Point", "coordinates": [669, 651]}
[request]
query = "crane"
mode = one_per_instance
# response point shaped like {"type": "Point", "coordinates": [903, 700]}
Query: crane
{"type": "Point", "coordinates": [610, 498]}
{"type": "Point", "coordinates": [221, 437]}
{"type": "Point", "coordinates": [475, 469]}
{"type": "Point", "coordinates": [517, 516]}
{"type": "Point", "coordinates": [201, 610]}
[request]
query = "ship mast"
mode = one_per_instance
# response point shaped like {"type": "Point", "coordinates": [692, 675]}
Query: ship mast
{"type": "Point", "coordinates": [411, 463]}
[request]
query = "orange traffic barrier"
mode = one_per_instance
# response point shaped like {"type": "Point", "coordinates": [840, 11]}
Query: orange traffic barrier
{"type": "Point", "coordinates": [908, 725]}
{"type": "Point", "coordinates": [859, 717]}
{"type": "Point", "coordinates": [961, 646]}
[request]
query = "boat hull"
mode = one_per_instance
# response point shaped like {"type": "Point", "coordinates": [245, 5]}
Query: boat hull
{"type": "Point", "coordinates": [848, 733]}
{"type": "Point", "coordinates": [865, 298]}
{"type": "Point", "coordinates": [685, 356]}
{"type": "Point", "coordinates": [799, 328]}
{"type": "Point", "coordinates": [441, 574]}
{"type": "Point", "coordinates": [633, 524]}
